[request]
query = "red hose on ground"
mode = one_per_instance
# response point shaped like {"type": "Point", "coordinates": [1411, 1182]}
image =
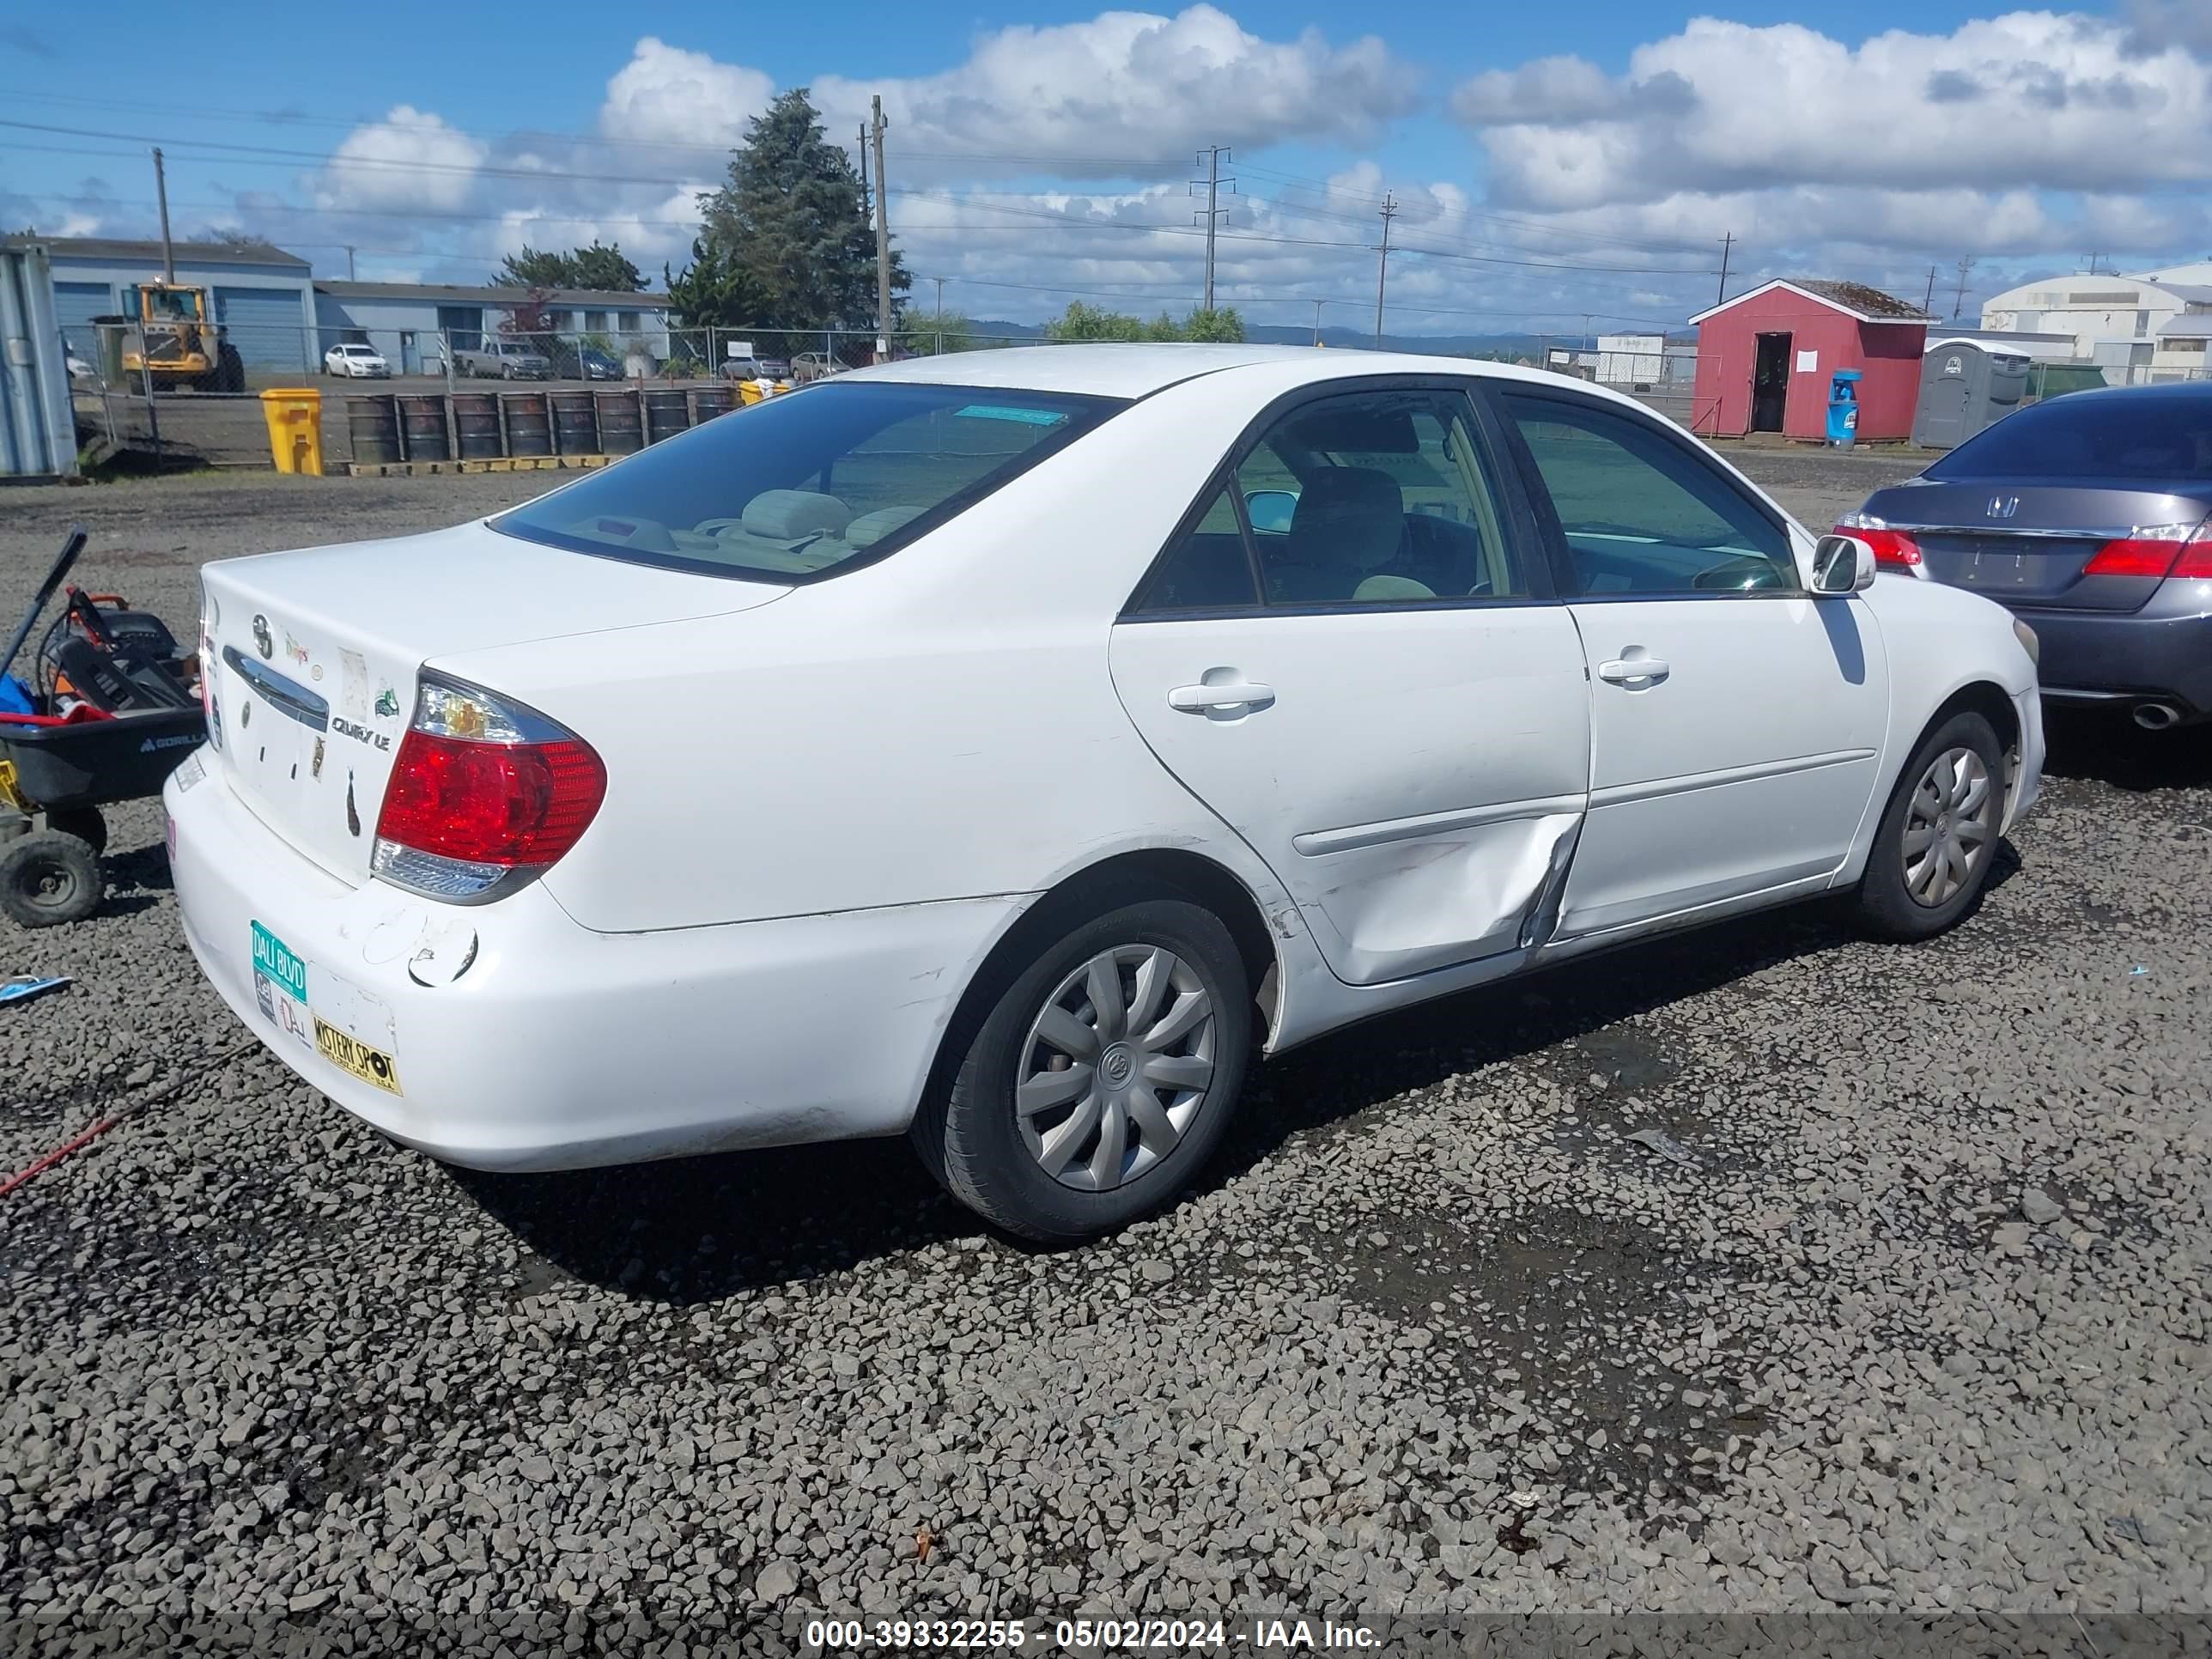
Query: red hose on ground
{"type": "Point", "coordinates": [167, 1092]}
{"type": "Point", "coordinates": [59, 1153]}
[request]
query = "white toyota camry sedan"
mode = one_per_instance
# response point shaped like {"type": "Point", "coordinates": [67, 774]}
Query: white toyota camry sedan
{"type": "Point", "coordinates": [1004, 748]}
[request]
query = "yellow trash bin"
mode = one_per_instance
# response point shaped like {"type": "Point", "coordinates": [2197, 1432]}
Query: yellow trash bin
{"type": "Point", "coordinates": [294, 415]}
{"type": "Point", "coordinates": [748, 391]}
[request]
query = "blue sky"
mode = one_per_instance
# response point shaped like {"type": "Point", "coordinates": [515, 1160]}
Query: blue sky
{"type": "Point", "coordinates": [1548, 161]}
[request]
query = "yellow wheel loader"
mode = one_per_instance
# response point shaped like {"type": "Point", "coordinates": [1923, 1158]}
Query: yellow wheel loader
{"type": "Point", "coordinates": [183, 344]}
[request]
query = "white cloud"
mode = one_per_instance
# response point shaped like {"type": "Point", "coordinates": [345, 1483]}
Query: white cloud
{"type": "Point", "coordinates": [669, 95]}
{"type": "Point", "coordinates": [2027, 100]}
{"type": "Point", "coordinates": [1128, 84]}
{"type": "Point", "coordinates": [410, 159]}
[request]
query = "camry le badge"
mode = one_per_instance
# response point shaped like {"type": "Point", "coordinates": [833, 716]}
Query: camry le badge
{"type": "Point", "coordinates": [2004, 507]}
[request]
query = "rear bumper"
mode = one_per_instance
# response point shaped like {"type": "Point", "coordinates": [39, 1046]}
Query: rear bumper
{"type": "Point", "coordinates": [558, 1047]}
{"type": "Point", "coordinates": [2162, 653]}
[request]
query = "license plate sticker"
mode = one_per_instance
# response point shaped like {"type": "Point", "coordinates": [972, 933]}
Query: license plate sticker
{"type": "Point", "coordinates": [351, 1056]}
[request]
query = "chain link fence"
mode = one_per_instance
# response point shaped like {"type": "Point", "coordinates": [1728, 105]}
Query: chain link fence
{"type": "Point", "coordinates": [189, 396]}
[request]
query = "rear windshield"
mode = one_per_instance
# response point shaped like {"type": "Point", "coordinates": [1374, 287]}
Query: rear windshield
{"type": "Point", "coordinates": [809, 482]}
{"type": "Point", "coordinates": [2092, 435]}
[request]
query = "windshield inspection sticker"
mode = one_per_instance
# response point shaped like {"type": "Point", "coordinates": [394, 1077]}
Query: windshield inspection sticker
{"type": "Point", "coordinates": [1001, 412]}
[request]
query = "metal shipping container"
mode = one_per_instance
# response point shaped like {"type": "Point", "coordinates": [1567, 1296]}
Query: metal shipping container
{"type": "Point", "coordinates": [37, 424]}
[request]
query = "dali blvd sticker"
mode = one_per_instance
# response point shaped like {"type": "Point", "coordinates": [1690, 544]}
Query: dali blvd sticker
{"type": "Point", "coordinates": [279, 985]}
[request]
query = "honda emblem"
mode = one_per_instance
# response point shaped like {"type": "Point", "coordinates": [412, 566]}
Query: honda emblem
{"type": "Point", "coordinates": [2004, 507]}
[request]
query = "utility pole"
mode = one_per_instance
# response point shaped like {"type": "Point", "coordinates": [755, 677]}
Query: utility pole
{"type": "Point", "coordinates": [1382, 264]}
{"type": "Point", "coordinates": [1318, 304]}
{"type": "Point", "coordinates": [939, 281]}
{"type": "Point", "coordinates": [882, 242]}
{"type": "Point", "coordinates": [161, 193]}
{"type": "Point", "coordinates": [1727, 243]}
{"type": "Point", "coordinates": [1959, 300]}
{"type": "Point", "coordinates": [349, 248]}
{"type": "Point", "coordinates": [1211, 156]}
{"type": "Point", "coordinates": [1928, 304]}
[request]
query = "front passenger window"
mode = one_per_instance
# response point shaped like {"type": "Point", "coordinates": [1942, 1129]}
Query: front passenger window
{"type": "Point", "coordinates": [1643, 513]}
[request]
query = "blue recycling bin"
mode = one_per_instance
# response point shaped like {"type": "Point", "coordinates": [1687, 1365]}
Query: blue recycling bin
{"type": "Point", "coordinates": [1843, 407]}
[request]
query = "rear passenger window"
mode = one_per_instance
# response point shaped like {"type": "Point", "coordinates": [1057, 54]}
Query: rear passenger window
{"type": "Point", "coordinates": [1377, 498]}
{"type": "Point", "coordinates": [1206, 569]}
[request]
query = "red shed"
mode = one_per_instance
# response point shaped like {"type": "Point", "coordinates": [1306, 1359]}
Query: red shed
{"type": "Point", "coordinates": [1765, 359]}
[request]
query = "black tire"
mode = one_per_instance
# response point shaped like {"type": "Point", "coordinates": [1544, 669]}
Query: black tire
{"type": "Point", "coordinates": [84, 822]}
{"type": "Point", "coordinates": [1883, 906]}
{"type": "Point", "coordinates": [969, 1134]}
{"type": "Point", "coordinates": [48, 877]}
{"type": "Point", "coordinates": [229, 370]}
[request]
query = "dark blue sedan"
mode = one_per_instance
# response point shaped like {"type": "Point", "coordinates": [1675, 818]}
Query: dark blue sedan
{"type": "Point", "coordinates": [2090, 517]}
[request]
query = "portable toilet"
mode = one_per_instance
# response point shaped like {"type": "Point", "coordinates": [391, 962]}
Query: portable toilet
{"type": "Point", "coordinates": [1843, 406]}
{"type": "Point", "coordinates": [1965, 386]}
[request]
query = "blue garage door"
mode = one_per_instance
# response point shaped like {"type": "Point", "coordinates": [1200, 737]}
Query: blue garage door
{"type": "Point", "coordinates": [263, 324]}
{"type": "Point", "coordinates": [75, 304]}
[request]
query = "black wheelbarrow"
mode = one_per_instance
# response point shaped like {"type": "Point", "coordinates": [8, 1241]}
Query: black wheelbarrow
{"type": "Point", "coordinates": [111, 714]}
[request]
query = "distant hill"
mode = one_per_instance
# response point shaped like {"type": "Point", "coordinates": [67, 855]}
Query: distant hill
{"type": "Point", "coordinates": [1506, 346]}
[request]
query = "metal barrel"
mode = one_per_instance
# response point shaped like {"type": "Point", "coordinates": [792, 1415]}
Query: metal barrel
{"type": "Point", "coordinates": [372, 429]}
{"type": "Point", "coordinates": [666, 414]}
{"type": "Point", "coordinates": [422, 428]}
{"type": "Point", "coordinates": [709, 401]}
{"type": "Point", "coordinates": [575, 423]}
{"type": "Point", "coordinates": [619, 431]}
{"type": "Point", "coordinates": [528, 428]}
{"type": "Point", "coordinates": [476, 422]}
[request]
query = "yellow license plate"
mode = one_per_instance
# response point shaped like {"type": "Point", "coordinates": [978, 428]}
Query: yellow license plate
{"type": "Point", "coordinates": [350, 1054]}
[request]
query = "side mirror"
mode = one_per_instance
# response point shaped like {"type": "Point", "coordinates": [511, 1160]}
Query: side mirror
{"type": "Point", "coordinates": [1271, 511]}
{"type": "Point", "coordinates": [1842, 564]}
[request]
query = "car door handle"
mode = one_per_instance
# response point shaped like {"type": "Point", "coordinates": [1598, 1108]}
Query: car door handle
{"type": "Point", "coordinates": [1234, 694]}
{"type": "Point", "coordinates": [1626, 670]}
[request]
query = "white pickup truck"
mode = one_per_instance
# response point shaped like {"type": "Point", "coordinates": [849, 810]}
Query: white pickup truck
{"type": "Point", "coordinates": [505, 359]}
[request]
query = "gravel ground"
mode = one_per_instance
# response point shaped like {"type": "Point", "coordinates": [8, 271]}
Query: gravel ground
{"type": "Point", "coordinates": [1923, 1332]}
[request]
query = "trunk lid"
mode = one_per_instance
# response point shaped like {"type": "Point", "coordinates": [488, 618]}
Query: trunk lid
{"type": "Point", "coordinates": [313, 657]}
{"type": "Point", "coordinates": [2028, 545]}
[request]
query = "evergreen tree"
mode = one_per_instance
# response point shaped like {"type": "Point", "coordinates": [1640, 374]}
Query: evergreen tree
{"type": "Point", "coordinates": [792, 220]}
{"type": "Point", "coordinates": [714, 290]}
{"type": "Point", "coordinates": [606, 269]}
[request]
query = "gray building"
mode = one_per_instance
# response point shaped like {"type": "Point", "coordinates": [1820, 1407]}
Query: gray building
{"type": "Point", "coordinates": [263, 296]}
{"type": "Point", "coordinates": [405, 321]}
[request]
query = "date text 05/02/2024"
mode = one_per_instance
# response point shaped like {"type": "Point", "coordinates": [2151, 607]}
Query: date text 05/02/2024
{"type": "Point", "coordinates": [1114, 1635]}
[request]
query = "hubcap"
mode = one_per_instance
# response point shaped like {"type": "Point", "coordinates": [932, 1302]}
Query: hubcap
{"type": "Point", "coordinates": [1948, 828]}
{"type": "Point", "coordinates": [1114, 1066]}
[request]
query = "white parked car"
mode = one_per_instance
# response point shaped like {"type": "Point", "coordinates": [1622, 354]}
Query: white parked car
{"type": "Point", "coordinates": [1004, 747]}
{"type": "Point", "coordinates": [355, 362]}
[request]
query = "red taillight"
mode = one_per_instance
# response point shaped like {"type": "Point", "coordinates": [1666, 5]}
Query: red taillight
{"type": "Point", "coordinates": [1892, 548]}
{"type": "Point", "coordinates": [481, 790]}
{"type": "Point", "coordinates": [507, 804]}
{"type": "Point", "coordinates": [2168, 550]}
